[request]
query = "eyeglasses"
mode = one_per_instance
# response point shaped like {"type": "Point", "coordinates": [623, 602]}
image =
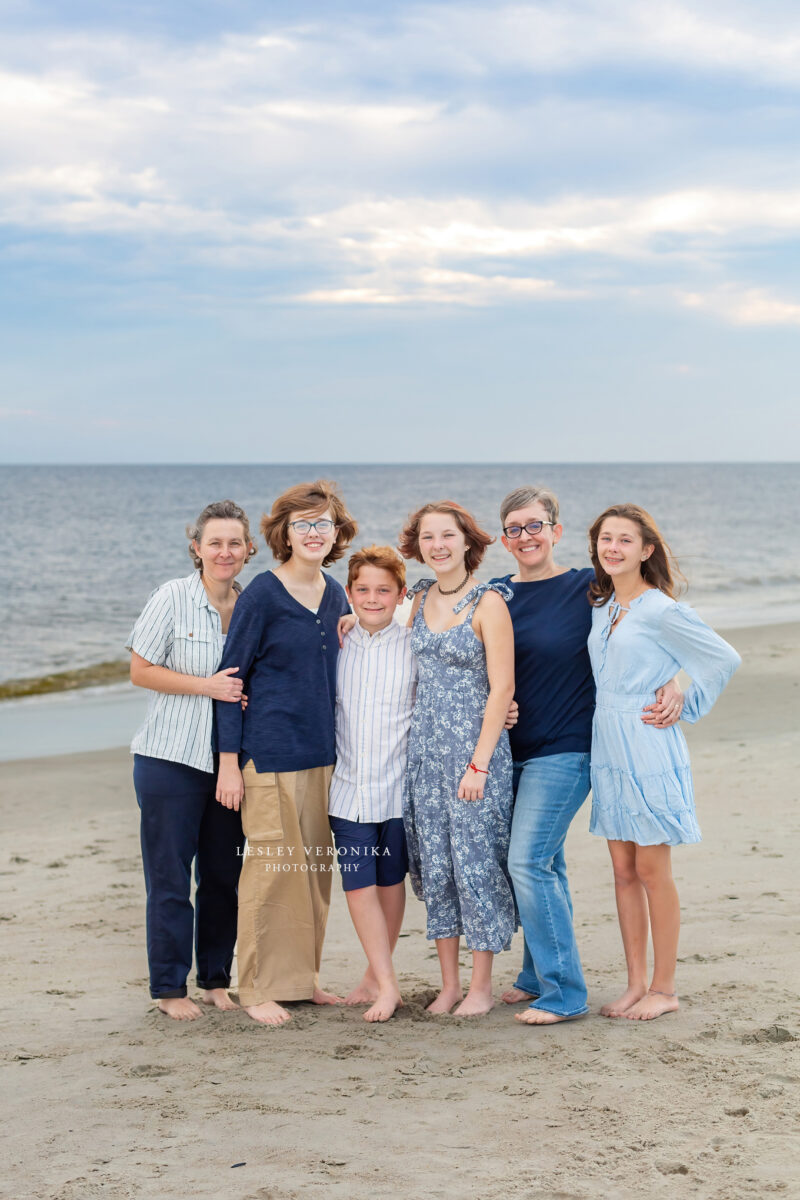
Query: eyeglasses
{"type": "Point", "coordinates": [323, 526]}
{"type": "Point", "coordinates": [515, 531]}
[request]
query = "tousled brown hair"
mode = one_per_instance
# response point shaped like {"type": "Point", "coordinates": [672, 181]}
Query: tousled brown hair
{"type": "Point", "coordinates": [220, 510]}
{"type": "Point", "coordinates": [384, 557]}
{"type": "Point", "coordinates": [660, 569]}
{"type": "Point", "coordinates": [310, 498]}
{"type": "Point", "coordinates": [477, 539]}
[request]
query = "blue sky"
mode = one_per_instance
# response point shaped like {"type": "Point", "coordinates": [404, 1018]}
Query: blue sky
{"type": "Point", "coordinates": [393, 232]}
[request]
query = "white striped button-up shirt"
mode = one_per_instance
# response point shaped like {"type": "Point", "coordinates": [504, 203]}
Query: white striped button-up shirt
{"type": "Point", "coordinates": [180, 629]}
{"type": "Point", "coordinates": [376, 682]}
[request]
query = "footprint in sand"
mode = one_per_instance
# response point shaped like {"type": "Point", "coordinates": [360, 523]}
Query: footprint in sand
{"type": "Point", "coordinates": [346, 1051]}
{"type": "Point", "coordinates": [773, 1033]}
{"type": "Point", "coordinates": [673, 1168]}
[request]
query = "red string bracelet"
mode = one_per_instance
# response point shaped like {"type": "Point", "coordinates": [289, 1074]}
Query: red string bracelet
{"type": "Point", "coordinates": [477, 770]}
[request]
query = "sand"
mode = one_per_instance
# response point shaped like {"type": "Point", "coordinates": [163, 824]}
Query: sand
{"type": "Point", "coordinates": [105, 1097]}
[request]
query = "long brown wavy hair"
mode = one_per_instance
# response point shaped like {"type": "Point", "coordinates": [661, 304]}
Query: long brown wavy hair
{"type": "Point", "coordinates": [659, 570]}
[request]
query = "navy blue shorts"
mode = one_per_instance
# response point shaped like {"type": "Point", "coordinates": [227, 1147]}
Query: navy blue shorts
{"type": "Point", "coordinates": [369, 853]}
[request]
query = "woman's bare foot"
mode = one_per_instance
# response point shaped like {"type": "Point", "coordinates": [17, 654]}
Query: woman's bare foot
{"type": "Point", "coordinates": [539, 1016]}
{"type": "Point", "coordinates": [321, 997]}
{"type": "Point", "coordinates": [365, 992]}
{"type": "Point", "coordinates": [385, 1005]}
{"type": "Point", "coordinates": [653, 1005]}
{"type": "Point", "coordinates": [180, 1008]}
{"type": "Point", "coordinates": [475, 1004]}
{"type": "Point", "coordinates": [218, 998]}
{"type": "Point", "coordinates": [268, 1013]}
{"type": "Point", "coordinates": [619, 1007]}
{"type": "Point", "coordinates": [514, 995]}
{"type": "Point", "coordinates": [445, 1000]}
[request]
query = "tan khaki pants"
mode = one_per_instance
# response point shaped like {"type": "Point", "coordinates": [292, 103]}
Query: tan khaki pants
{"type": "Point", "coordinates": [285, 885]}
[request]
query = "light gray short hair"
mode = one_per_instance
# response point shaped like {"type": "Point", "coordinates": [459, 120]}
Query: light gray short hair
{"type": "Point", "coordinates": [523, 496]}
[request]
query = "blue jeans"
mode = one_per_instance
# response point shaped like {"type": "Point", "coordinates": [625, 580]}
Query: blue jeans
{"type": "Point", "coordinates": [549, 791]}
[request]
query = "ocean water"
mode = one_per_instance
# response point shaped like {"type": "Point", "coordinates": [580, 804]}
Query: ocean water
{"type": "Point", "coordinates": [82, 547]}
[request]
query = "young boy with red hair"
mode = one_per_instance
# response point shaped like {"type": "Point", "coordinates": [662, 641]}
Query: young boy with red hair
{"type": "Point", "coordinates": [376, 682]}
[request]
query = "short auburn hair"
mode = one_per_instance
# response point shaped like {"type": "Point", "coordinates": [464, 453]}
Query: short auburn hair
{"type": "Point", "coordinates": [309, 498]}
{"type": "Point", "coordinates": [384, 557]}
{"type": "Point", "coordinates": [477, 539]}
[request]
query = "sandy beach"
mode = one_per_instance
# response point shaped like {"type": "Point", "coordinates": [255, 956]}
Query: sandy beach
{"type": "Point", "coordinates": [103, 1096]}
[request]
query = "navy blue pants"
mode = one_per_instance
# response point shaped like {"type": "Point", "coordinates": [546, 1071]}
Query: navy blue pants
{"type": "Point", "coordinates": [181, 822]}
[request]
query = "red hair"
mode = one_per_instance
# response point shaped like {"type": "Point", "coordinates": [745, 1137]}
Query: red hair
{"type": "Point", "coordinates": [477, 539]}
{"type": "Point", "coordinates": [384, 557]}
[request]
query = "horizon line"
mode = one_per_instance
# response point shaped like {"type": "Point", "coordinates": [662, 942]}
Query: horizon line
{"type": "Point", "coordinates": [576, 462]}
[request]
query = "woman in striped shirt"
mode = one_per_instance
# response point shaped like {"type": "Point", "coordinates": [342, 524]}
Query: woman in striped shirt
{"type": "Point", "coordinates": [176, 646]}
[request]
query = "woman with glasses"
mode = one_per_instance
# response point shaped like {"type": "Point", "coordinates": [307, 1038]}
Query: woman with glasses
{"type": "Point", "coordinates": [176, 646]}
{"type": "Point", "coordinates": [550, 745]}
{"type": "Point", "coordinates": [276, 758]}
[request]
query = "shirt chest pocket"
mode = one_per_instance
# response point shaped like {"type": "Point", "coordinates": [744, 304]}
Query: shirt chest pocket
{"type": "Point", "coordinates": [196, 650]}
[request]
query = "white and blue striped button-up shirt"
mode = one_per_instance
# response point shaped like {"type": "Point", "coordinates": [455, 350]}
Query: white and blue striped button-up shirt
{"type": "Point", "coordinates": [180, 629]}
{"type": "Point", "coordinates": [376, 683]}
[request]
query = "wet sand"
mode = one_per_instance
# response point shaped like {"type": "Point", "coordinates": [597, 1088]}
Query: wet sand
{"type": "Point", "coordinates": [103, 1096]}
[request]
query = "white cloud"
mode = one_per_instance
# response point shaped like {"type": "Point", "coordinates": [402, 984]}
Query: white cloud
{"type": "Point", "coordinates": [275, 152]}
{"type": "Point", "coordinates": [427, 286]}
{"type": "Point", "coordinates": [741, 305]}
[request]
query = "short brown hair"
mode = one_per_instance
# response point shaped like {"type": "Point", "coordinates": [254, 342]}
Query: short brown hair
{"type": "Point", "coordinates": [312, 498]}
{"type": "Point", "coordinates": [660, 569]}
{"type": "Point", "coordinates": [384, 557]}
{"type": "Point", "coordinates": [477, 539]}
{"type": "Point", "coordinates": [220, 510]}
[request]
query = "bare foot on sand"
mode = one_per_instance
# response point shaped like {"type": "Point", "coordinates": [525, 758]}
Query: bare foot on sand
{"type": "Point", "coordinates": [321, 997]}
{"type": "Point", "coordinates": [219, 998]}
{"type": "Point", "coordinates": [386, 1004]}
{"type": "Point", "coordinates": [475, 1004]}
{"type": "Point", "coordinates": [180, 1008]}
{"type": "Point", "coordinates": [514, 995]}
{"type": "Point", "coordinates": [619, 1007]}
{"type": "Point", "coordinates": [365, 993]}
{"type": "Point", "coordinates": [653, 1005]}
{"type": "Point", "coordinates": [268, 1013]}
{"type": "Point", "coordinates": [445, 1000]}
{"type": "Point", "coordinates": [539, 1016]}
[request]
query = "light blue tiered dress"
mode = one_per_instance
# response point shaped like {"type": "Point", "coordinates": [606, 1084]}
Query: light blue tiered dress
{"type": "Point", "coordinates": [641, 778]}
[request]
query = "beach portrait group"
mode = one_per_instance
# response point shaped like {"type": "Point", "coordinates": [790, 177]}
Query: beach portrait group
{"type": "Point", "coordinates": [296, 726]}
{"type": "Point", "coordinates": [400, 638]}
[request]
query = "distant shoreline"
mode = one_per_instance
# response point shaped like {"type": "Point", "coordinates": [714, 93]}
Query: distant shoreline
{"type": "Point", "coordinates": [118, 670]}
{"type": "Point", "coordinates": [97, 674]}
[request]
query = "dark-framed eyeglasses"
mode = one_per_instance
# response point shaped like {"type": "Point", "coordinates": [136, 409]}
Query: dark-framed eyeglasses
{"type": "Point", "coordinates": [513, 532]}
{"type": "Point", "coordinates": [323, 526]}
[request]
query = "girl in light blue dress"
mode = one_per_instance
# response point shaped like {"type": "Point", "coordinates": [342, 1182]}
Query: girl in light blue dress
{"type": "Point", "coordinates": [642, 796]}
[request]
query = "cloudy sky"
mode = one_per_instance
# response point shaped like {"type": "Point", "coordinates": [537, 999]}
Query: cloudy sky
{"type": "Point", "coordinates": [540, 232]}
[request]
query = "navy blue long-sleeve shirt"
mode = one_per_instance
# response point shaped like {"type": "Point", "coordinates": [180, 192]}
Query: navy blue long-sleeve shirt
{"type": "Point", "coordinates": [286, 655]}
